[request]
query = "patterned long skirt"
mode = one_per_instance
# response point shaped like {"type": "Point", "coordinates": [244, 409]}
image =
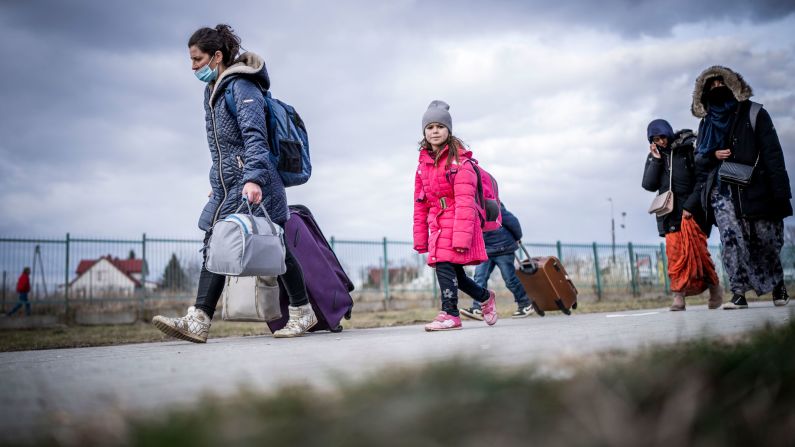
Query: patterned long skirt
{"type": "Point", "coordinates": [690, 265]}
{"type": "Point", "coordinates": [751, 248]}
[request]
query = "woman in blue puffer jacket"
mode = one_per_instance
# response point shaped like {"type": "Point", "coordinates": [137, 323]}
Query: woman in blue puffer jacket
{"type": "Point", "coordinates": [241, 168]}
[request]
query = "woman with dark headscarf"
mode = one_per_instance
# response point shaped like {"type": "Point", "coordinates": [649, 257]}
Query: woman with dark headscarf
{"type": "Point", "coordinates": [670, 167]}
{"type": "Point", "coordinates": [749, 216]}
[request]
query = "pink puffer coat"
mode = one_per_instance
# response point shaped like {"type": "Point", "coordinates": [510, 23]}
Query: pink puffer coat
{"type": "Point", "coordinates": [458, 225]}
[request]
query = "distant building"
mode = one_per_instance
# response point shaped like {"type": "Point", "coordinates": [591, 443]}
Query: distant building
{"type": "Point", "coordinates": [397, 275]}
{"type": "Point", "coordinates": [109, 277]}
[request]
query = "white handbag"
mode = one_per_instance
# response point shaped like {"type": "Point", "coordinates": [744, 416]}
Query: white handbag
{"type": "Point", "coordinates": [244, 245]}
{"type": "Point", "coordinates": [664, 203]}
{"type": "Point", "coordinates": [251, 298]}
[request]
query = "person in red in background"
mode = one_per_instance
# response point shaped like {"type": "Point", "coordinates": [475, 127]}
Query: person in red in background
{"type": "Point", "coordinates": [23, 288]}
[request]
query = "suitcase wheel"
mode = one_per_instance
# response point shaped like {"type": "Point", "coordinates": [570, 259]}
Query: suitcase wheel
{"type": "Point", "coordinates": [574, 306]}
{"type": "Point", "coordinates": [336, 329]}
{"type": "Point", "coordinates": [562, 307]}
{"type": "Point", "coordinates": [538, 310]}
{"type": "Point", "coordinates": [347, 315]}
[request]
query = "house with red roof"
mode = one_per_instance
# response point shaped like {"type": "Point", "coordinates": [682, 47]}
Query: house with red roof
{"type": "Point", "coordinates": [108, 277]}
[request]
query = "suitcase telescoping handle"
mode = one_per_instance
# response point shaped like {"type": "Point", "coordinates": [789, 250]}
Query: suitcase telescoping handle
{"type": "Point", "coordinates": [526, 266]}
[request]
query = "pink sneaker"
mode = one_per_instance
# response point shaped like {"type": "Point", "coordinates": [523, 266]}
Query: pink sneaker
{"type": "Point", "coordinates": [489, 308]}
{"type": "Point", "coordinates": [443, 322]}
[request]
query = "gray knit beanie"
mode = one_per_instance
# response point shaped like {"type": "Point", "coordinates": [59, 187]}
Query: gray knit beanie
{"type": "Point", "coordinates": [438, 113]}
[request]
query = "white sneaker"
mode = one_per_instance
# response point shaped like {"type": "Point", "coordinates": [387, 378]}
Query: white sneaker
{"type": "Point", "coordinates": [302, 319]}
{"type": "Point", "coordinates": [195, 326]}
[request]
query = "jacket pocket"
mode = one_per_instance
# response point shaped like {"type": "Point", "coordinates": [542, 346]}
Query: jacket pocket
{"type": "Point", "coordinates": [290, 156]}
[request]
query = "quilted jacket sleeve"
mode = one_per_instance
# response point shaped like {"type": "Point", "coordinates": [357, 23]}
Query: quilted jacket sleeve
{"type": "Point", "coordinates": [693, 202]}
{"type": "Point", "coordinates": [772, 156]}
{"type": "Point", "coordinates": [467, 216]}
{"type": "Point", "coordinates": [420, 216]}
{"type": "Point", "coordinates": [652, 173]}
{"type": "Point", "coordinates": [251, 119]}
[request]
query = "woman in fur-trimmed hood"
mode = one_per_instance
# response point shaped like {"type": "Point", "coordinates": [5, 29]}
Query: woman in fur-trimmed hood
{"type": "Point", "coordinates": [750, 216]}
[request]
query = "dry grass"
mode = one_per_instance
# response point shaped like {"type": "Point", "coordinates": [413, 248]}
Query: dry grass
{"type": "Point", "coordinates": [86, 336]}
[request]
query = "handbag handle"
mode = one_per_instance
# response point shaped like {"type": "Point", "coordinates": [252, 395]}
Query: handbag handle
{"type": "Point", "coordinates": [671, 173]}
{"type": "Point", "coordinates": [265, 212]}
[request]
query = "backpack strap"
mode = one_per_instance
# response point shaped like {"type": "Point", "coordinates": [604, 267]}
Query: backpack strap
{"type": "Point", "coordinates": [479, 195]}
{"type": "Point", "coordinates": [753, 113]}
{"type": "Point", "coordinates": [479, 200]}
{"type": "Point", "coordinates": [229, 98]}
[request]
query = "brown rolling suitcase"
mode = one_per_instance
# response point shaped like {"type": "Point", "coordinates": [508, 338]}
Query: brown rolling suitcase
{"type": "Point", "coordinates": [547, 284]}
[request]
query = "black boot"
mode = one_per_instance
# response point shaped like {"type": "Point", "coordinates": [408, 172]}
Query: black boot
{"type": "Point", "coordinates": [737, 302]}
{"type": "Point", "coordinates": [780, 296]}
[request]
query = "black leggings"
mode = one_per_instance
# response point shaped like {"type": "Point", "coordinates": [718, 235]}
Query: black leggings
{"type": "Point", "coordinates": [451, 278]}
{"type": "Point", "coordinates": [212, 284]}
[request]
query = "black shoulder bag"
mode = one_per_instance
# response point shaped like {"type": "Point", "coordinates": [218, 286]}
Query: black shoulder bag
{"type": "Point", "coordinates": [738, 173]}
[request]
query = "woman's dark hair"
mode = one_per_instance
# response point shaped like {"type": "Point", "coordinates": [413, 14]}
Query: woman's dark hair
{"type": "Point", "coordinates": [222, 39]}
{"type": "Point", "coordinates": [455, 145]}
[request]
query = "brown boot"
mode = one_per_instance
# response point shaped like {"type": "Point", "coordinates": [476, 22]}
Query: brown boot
{"type": "Point", "coordinates": [679, 302]}
{"type": "Point", "coordinates": [715, 297]}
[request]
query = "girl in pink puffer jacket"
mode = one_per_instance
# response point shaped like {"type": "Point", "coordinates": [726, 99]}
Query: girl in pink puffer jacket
{"type": "Point", "coordinates": [445, 207]}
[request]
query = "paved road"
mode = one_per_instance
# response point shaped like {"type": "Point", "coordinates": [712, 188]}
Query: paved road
{"type": "Point", "coordinates": [68, 386]}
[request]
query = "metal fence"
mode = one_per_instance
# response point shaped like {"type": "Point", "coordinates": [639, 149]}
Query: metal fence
{"type": "Point", "coordinates": [77, 271]}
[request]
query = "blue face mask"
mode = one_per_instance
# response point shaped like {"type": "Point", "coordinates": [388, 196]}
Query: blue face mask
{"type": "Point", "coordinates": [206, 74]}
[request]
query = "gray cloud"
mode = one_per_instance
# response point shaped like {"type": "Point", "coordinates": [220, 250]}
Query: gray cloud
{"type": "Point", "coordinates": [102, 118]}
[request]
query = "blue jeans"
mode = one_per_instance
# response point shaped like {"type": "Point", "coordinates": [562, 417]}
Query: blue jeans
{"type": "Point", "coordinates": [23, 299]}
{"type": "Point", "coordinates": [508, 271]}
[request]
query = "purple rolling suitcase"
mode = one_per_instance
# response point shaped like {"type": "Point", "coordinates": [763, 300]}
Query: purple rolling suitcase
{"type": "Point", "coordinates": [328, 286]}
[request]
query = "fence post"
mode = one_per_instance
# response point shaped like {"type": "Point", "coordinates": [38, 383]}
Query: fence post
{"type": "Point", "coordinates": [560, 251]}
{"type": "Point", "coordinates": [66, 279]}
{"type": "Point", "coordinates": [665, 268]}
{"type": "Point", "coordinates": [386, 272]}
{"type": "Point", "coordinates": [144, 271]}
{"type": "Point", "coordinates": [3, 309]}
{"type": "Point", "coordinates": [435, 287]}
{"type": "Point", "coordinates": [725, 275]}
{"type": "Point", "coordinates": [632, 266]}
{"type": "Point", "coordinates": [598, 272]}
{"type": "Point", "coordinates": [331, 242]}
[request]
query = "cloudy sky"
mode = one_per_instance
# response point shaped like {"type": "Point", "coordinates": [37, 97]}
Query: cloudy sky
{"type": "Point", "coordinates": [103, 127]}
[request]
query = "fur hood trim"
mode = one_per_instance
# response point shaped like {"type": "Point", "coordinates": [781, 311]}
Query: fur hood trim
{"type": "Point", "coordinates": [741, 90]}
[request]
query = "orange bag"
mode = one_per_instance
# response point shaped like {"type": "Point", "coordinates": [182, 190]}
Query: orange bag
{"type": "Point", "coordinates": [690, 265]}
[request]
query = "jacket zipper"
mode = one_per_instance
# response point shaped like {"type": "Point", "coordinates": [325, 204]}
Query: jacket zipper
{"type": "Point", "coordinates": [740, 199]}
{"type": "Point", "coordinates": [734, 145]}
{"type": "Point", "coordinates": [220, 162]}
{"type": "Point", "coordinates": [239, 161]}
